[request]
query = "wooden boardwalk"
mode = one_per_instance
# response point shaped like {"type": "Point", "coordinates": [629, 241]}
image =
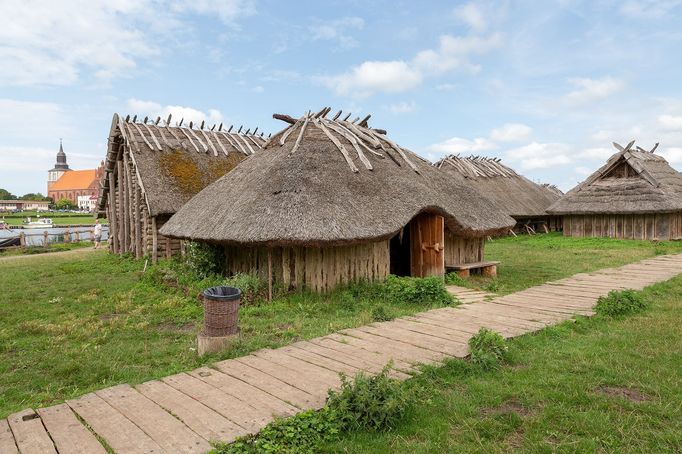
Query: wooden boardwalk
{"type": "Point", "coordinates": [467, 295]}
{"type": "Point", "coordinates": [183, 412]}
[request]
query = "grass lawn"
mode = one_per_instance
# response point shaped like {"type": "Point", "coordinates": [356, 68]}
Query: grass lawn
{"type": "Point", "coordinates": [591, 386]}
{"type": "Point", "coordinates": [54, 247]}
{"type": "Point", "coordinates": [72, 219]}
{"type": "Point", "coordinates": [527, 260]}
{"type": "Point", "coordinates": [69, 325]}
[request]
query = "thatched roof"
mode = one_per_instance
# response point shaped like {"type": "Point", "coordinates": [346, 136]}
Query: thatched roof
{"type": "Point", "coordinates": [631, 181]}
{"type": "Point", "coordinates": [323, 182]}
{"type": "Point", "coordinates": [513, 194]}
{"type": "Point", "coordinates": [173, 163]}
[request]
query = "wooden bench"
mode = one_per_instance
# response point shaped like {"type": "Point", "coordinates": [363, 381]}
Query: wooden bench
{"type": "Point", "coordinates": [464, 269]}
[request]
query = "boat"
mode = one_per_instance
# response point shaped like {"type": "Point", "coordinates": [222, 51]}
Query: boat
{"type": "Point", "coordinates": [9, 242]}
{"type": "Point", "coordinates": [43, 223]}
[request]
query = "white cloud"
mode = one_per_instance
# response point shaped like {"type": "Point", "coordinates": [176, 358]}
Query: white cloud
{"type": "Point", "coordinates": [648, 9]}
{"type": "Point", "coordinates": [583, 171]}
{"type": "Point", "coordinates": [460, 145]}
{"type": "Point", "coordinates": [445, 87]}
{"type": "Point", "coordinates": [153, 110]}
{"type": "Point", "coordinates": [673, 155]}
{"type": "Point", "coordinates": [403, 107]}
{"type": "Point", "coordinates": [338, 30]}
{"type": "Point", "coordinates": [375, 76]}
{"type": "Point", "coordinates": [670, 122]}
{"type": "Point", "coordinates": [399, 75]}
{"type": "Point", "coordinates": [597, 153]}
{"type": "Point", "coordinates": [472, 15]}
{"type": "Point", "coordinates": [43, 42]}
{"type": "Point", "coordinates": [18, 120]}
{"type": "Point", "coordinates": [589, 90]}
{"type": "Point", "coordinates": [511, 132]}
{"type": "Point", "coordinates": [258, 89]}
{"type": "Point", "coordinates": [540, 155]}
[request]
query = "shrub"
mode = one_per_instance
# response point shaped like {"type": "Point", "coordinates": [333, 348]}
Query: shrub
{"type": "Point", "coordinates": [414, 290]}
{"type": "Point", "coordinates": [620, 303]}
{"type": "Point", "coordinates": [455, 279]}
{"type": "Point", "coordinates": [379, 314]}
{"type": "Point", "coordinates": [369, 402]}
{"type": "Point", "coordinates": [302, 433]}
{"type": "Point", "coordinates": [488, 349]}
{"type": "Point", "coordinates": [252, 287]}
{"type": "Point", "coordinates": [205, 259]}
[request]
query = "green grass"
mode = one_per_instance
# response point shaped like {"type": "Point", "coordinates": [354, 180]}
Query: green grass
{"type": "Point", "coordinates": [70, 325]}
{"type": "Point", "coordinates": [54, 247]}
{"type": "Point", "coordinates": [73, 219]}
{"type": "Point", "coordinates": [527, 261]}
{"type": "Point", "coordinates": [595, 385]}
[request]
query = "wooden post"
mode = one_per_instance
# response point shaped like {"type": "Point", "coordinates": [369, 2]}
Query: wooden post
{"type": "Point", "coordinates": [126, 203]}
{"type": "Point", "coordinates": [138, 222]}
{"type": "Point", "coordinates": [45, 239]}
{"type": "Point", "coordinates": [113, 232]}
{"type": "Point", "coordinates": [67, 236]}
{"type": "Point", "coordinates": [22, 239]}
{"type": "Point", "coordinates": [155, 241]}
{"type": "Point", "coordinates": [129, 200]}
{"type": "Point", "coordinates": [119, 214]}
{"type": "Point", "coordinates": [168, 248]}
{"type": "Point", "coordinates": [77, 236]}
{"type": "Point", "coordinates": [269, 275]}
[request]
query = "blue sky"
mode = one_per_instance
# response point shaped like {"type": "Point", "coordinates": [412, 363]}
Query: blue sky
{"type": "Point", "coordinates": [544, 85]}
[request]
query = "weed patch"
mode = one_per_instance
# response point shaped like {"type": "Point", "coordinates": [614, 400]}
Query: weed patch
{"type": "Point", "coordinates": [621, 303]}
{"type": "Point", "coordinates": [413, 290]}
{"type": "Point", "coordinates": [488, 349]}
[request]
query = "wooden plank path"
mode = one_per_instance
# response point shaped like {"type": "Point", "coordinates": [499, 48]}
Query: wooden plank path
{"type": "Point", "coordinates": [182, 413]}
{"type": "Point", "coordinates": [467, 295]}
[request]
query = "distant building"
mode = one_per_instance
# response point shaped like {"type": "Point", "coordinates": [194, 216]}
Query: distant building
{"type": "Point", "coordinates": [87, 202]}
{"type": "Point", "coordinates": [10, 205]}
{"type": "Point", "coordinates": [64, 183]}
{"type": "Point", "coordinates": [59, 169]}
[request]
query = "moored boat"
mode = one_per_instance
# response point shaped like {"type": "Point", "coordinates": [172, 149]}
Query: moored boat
{"type": "Point", "coordinates": [43, 223]}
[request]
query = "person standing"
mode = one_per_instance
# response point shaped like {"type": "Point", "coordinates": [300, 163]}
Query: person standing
{"type": "Point", "coordinates": [97, 234]}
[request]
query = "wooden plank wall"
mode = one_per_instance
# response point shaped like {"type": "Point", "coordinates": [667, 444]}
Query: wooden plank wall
{"type": "Point", "coordinates": [463, 250]}
{"type": "Point", "coordinates": [658, 226]}
{"type": "Point", "coordinates": [318, 269]}
{"type": "Point", "coordinates": [132, 228]}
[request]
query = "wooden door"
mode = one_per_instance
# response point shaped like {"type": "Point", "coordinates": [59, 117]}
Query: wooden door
{"type": "Point", "coordinates": [427, 239]}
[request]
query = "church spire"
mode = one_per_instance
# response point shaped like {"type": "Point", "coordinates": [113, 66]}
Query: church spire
{"type": "Point", "coordinates": [61, 158]}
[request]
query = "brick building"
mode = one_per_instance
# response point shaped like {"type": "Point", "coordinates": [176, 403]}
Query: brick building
{"type": "Point", "coordinates": [64, 183]}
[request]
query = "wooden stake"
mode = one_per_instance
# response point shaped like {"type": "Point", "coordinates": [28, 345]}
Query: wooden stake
{"type": "Point", "coordinates": [155, 241]}
{"type": "Point", "coordinates": [269, 275]}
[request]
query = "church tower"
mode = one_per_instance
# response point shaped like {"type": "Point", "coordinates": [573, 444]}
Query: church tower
{"type": "Point", "coordinates": [59, 169]}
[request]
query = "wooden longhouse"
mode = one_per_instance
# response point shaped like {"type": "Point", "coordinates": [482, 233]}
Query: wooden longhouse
{"type": "Point", "coordinates": [635, 195]}
{"type": "Point", "coordinates": [514, 194]}
{"type": "Point", "coordinates": [331, 201]}
{"type": "Point", "coordinates": [153, 168]}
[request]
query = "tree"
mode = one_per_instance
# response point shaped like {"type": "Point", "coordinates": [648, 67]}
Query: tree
{"type": "Point", "coordinates": [35, 196]}
{"type": "Point", "coordinates": [64, 204]}
{"type": "Point", "coordinates": [6, 195]}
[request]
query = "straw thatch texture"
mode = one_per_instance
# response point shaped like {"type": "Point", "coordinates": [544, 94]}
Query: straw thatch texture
{"type": "Point", "coordinates": [630, 182]}
{"type": "Point", "coordinates": [174, 163]}
{"type": "Point", "coordinates": [315, 184]}
{"type": "Point", "coordinates": [512, 193]}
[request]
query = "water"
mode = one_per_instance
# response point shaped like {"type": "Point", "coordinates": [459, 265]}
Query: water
{"type": "Point", "coordinates": [34, 237]}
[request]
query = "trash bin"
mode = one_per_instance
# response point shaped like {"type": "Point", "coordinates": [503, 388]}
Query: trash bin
{"type": "Point", "coordinates": [221, 310]}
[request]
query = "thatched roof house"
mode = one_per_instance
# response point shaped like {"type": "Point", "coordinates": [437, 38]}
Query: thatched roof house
{"type": "Point", "coordinates": [512, 193]}
{"type": "Point", "coordinates": [328, 201]}
{"type": "Point", "coordinates": [635, 195]}
{"type": "Point", "coordinates": [153, 168]}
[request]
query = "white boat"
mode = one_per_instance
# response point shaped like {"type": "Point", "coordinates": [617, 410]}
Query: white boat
{"type": "Point", "coordinates": [43, 223]}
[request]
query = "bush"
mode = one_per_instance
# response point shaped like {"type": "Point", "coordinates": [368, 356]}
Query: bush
{"type": "Point", "coordinates": [488, 349]}
{"type": "Point", "coordinates": [620, 303]}
{"type": "Point", "coordinates": [302, 433]}
{"type": "Point", "coordinates": [253, 289]}
{"type": "Point", "coordinates": [205, 259]}
{"type": "Point", "coordinates": [369, 402]}
{"type": "Point", "coordinates": [413, 290]}
{"type": "Point", "coordinates": [455, 279]}
{"type": "Point", "coordinates": [379, 314]}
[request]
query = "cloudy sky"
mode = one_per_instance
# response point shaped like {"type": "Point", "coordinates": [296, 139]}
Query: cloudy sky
{"type": "Point", "coordinates": [547, 86]}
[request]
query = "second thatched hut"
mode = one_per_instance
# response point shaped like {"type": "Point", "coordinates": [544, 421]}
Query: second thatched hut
{"type": "Point", "coordinates": [328, 202]}
{"type": "Point", "coordinates": [512, 193]}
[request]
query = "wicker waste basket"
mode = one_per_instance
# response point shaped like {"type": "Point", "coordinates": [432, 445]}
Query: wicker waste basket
{"type": "Point", "coordinates": [221, 311]}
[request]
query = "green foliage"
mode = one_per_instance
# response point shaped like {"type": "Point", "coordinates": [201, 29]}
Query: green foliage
{"type": "Point", "coordinates": [415, 290]}
{"type": "Point", "coordinates": [253, 289]}
{"type": "Point", "coordinates": [374, 403]}
{"type": "Point", "coordinates": [621, 303]}
{"type": "Point", "coordinates": [64, 204]}
{"type": "Point", "coordinates": [488, 349]}
{"type": "Point", "coordinates": [302, 433]}
{"type": "Point", "coordinates": [6, 195]}
{"type": "Point", "coordinates": [455, 279]}
{"type": "Point", "coordinates": [380, 314]}
{"type": "Point", "coordinates": [205, 259]}
{"type": "Point", "coordinates": [34, 196]}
